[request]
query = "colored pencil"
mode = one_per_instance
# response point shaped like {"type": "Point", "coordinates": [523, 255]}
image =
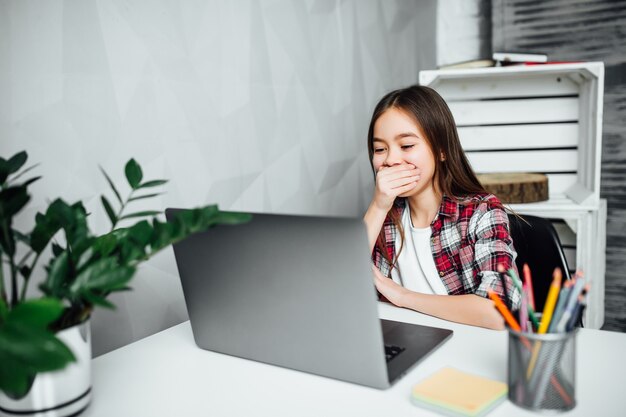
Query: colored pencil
{"type": "Point", "coordinates": [518, 284]}
{"type": "Point", "coordinates": [560, 306]}
{"type": "Point", "coordinates": [508, 317]}
{"type": "Point", "coordinates": [529, 280]}
{"type": "Point", "coordinates": [523, 312]}
{"type": "Point", "coordinates": [571, 304]}
{"type": "Point", "coordinates": [578, 310]}
{"type": "Point", "coordinates": [553, 294]}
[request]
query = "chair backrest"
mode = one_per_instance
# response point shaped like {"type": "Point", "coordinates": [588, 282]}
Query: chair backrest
{"type": "Point", "coordinates": [537, 244]}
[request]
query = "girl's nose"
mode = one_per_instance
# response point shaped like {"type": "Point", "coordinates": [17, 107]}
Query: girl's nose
{"type": "Point", "coordinates": [393, 158]}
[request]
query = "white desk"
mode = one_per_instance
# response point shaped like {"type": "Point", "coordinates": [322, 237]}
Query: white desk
{"type": "Point", "coordinates": [167, 375]}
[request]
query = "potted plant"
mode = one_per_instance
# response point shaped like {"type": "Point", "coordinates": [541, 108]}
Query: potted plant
{"type": "Point", "coordinates": [45, 346]}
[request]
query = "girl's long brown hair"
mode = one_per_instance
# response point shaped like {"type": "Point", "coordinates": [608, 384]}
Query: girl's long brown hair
{"type": "Point", "coordinates": [453, 176]}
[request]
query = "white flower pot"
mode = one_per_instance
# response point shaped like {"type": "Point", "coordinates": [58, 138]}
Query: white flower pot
{"type": "Point", "coordinates": [61, 393]}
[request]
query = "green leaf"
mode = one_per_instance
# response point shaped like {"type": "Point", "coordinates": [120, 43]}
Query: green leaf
{"type": "Point", "coordinates": [105, 244]}
{"type": "Point", "coordinates": [12, 165]}
{"type": "Point", "coordinates": [27, 347]}
{"type": "Point", "coordinates": [15, 377]}
{"type": "Point", "coordinates": [57, 275]}
{"type": "Point", "coordinates": [117, 194]}
{"type": "Point", "coordinates": [109, 210]}
{"type": "Point", "coordinates": [140, 214]}
{"type": "Point", "coordinates": [17, 176]}
{"type": "Point", "coordinates": [35, 314]}
{"type": "Point", "coordinates": [164, 233]}
{"type": "Point", "coordinates": [186, 222]}
{"type": "Point", "coordinates": [105, 274]}
{"type": "Point", "coordinates": [225, 217]}
{"type": "Point", "coordinates": [35, 349]}
{"type": "Point", "coordinates": [72, 219]}
{"type": "Point", "coordinates": [84, 258]}
{"type": "Point", "coordinates": [153, 183]}
{"type": "Point", "coordinates": [12, 200]}
{"type": "Point", "coordinates": [30, 181]}
{"type": "Point", "coordinates": [130, 253]}
{"type": "Point", "coordinates": [98, 300]}
{"type": "Point", "coordinates": [3, 311]}
{"type": "Point", "coordinates": [133, 173]}
{"type": "Point", "coordinates": [140, 233]}
{"type": "Point", "coordinates": [25, 271]}
{"type": "Point", "coordinates": [47, 225]}
{"type": "Point", "coordinates": [57, 249]}
{"type": "Point", "coordinates": [16, 161]}
{"type": "Point", "coordinates": [140, 197]}
{"type": "Point", "coordinates": [4, 170]}
{"type": "Point", "coordinates": [21, 237]}
{"type": "Point", "coordinates": [77, 230]}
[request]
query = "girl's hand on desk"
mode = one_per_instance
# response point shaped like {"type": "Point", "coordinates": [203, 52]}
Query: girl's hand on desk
{"type": "Point", "coordinates": [393, 292]}
{"type": "Point", "coordinates": [393, 181]}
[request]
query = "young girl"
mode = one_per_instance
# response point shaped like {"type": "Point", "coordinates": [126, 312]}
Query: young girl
{"type": "Point", "coordinates": [436, 235]}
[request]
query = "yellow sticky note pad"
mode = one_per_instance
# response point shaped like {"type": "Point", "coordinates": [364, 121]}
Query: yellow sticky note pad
{"type": "Point", "coordinates": [457, 393]}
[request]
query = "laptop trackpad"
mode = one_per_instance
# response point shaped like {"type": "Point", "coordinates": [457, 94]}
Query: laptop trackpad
{"type": "Point", "coordinates": [417, 342]}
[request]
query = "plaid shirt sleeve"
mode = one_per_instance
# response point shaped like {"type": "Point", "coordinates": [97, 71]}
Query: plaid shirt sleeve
{"type": "Point", "coordinates": [390, 233]}
{"type": "Point", "coordinates": [493, 246]}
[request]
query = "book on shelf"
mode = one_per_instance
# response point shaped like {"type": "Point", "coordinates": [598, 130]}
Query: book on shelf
{"type": "Point", "coordinates": [518, 57]}
{"type": "Point", "coordinates": [474, 63]}
{"type": "Point", "coordinates": [501, 59]}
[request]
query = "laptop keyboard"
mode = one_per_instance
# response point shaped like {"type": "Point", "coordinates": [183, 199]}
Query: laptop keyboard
{"type": "Point", "coordinates": [393, 351]}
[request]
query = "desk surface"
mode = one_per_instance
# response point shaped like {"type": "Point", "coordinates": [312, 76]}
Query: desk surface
{"type": "Point", "coordinates": [167, 374]}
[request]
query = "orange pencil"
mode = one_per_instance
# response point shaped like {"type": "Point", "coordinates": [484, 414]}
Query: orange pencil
{"type": "Point", "coordinates": [508, 317]}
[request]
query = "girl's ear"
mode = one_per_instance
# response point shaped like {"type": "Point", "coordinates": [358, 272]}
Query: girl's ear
{"type": "Point", "coordinates": [442, 157]}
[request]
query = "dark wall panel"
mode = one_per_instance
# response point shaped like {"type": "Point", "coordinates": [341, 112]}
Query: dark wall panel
{"type": "Point", "coordinates": [576, 30]}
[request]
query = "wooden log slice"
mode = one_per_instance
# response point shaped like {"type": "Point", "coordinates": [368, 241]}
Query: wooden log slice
{"type": "Point", "coordinates": [516, 187]}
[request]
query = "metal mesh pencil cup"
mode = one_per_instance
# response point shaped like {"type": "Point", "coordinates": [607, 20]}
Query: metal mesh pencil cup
{"type": "Point", "coordinates": [542, 370]}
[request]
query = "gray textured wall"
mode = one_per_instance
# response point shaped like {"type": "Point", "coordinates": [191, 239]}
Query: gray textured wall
{"type": "Point", "coordinates": [255, 105]}
{"type": "Point", "coordinates": [569, 30]}
{"type": "Point", "coordinates": [463, 30]}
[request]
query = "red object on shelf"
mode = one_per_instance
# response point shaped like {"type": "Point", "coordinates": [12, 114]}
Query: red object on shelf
{"type": "Point", "coordinates": [552, 62]}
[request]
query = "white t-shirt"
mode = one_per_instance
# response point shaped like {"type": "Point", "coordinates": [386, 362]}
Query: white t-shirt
{"type": "Point", "coordinates": [415, 269]}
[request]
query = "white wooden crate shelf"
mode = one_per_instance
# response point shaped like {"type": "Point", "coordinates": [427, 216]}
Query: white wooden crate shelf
{"type": "Point", "coordinates": [557, 203]}
{"type": "Point", "coordinates": [545, 119]}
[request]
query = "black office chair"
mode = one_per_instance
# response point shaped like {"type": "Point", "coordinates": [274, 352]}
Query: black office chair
{"type": "Point", "coordinates": [538, 245]}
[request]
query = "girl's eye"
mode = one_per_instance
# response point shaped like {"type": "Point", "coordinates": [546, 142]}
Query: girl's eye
{"type": "Point", "coordinates": [407, 147]}
{"type": "Point", "coordinates": [379, 150]}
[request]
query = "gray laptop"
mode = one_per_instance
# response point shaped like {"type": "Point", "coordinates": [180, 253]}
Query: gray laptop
{"type": "Point", "coordinates": [297, 292]}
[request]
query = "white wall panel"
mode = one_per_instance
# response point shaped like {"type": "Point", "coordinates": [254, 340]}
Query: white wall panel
{"type": "Point", "coordinates": [254, 105]}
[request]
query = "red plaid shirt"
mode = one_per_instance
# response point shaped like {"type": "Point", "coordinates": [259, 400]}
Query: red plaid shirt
{"type": "Point", "coordinates": [469, 239]}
